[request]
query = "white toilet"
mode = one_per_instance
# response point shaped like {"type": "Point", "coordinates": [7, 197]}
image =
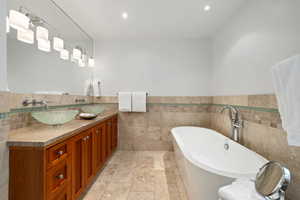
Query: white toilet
{"type": "Point", "coordinates": [239, 190]}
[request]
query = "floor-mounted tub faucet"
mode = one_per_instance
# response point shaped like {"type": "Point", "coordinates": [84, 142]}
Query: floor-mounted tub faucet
{"type": "Point", "coordinates": [236, 122]}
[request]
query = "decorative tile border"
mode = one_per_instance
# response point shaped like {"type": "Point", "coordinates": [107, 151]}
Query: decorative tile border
{"type": "Point", "coordinates": [4, 115]}
{"type": "Point", "coordinates": [40, 108]}
{"type": "Point", "coordinates": [34, 109]}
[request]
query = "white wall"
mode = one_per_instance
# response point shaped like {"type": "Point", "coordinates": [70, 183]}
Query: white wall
{"type": "Point", "coordinates": [3, 81]}
{"type": "Point", "coordinates": [161, 67]}
{"type": "Point", "coordinates": [262, 33]}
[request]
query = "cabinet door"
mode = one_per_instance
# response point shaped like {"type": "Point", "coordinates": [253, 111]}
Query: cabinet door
{"type": "Point", "coordinates": [64, 195]}
{"type": "Point", "coordinates": [97, 147]}
{"type": "Point", "coordinates": [104, 144]}
{"type": "Point", "coordinates": [88, 156]}
{"type": "Point", "coordinates": [114, 133]}
{"type": "Point", "coordinates": [78, 165]}
{"type": "Point", "coordinates": [109, 138]}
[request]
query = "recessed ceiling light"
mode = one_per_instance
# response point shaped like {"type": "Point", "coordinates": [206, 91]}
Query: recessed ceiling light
{"type": "Point", "coordinates": [207, 8]}
{"type": "Point", "coordinates": [124, 15]}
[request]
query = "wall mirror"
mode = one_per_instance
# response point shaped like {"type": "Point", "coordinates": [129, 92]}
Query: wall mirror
{"type": "Point", "coordinates": [31, 67]}
{"type": "Point", "coordinates": [272, 180]}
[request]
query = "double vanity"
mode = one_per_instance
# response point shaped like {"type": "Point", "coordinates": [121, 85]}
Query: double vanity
{"type": "Point", "coordinates": [60, 163]}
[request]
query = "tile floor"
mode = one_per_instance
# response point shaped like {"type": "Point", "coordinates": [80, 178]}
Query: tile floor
{"type": "Point", "coordinates": [139, 175]}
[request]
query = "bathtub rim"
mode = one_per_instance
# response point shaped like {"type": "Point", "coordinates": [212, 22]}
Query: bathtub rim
{"type": "Point", "coordinates": [190, 157]}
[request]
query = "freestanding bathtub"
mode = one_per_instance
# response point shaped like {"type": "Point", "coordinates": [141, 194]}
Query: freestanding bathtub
{"type": "Point", "coordinates": [206, 164]}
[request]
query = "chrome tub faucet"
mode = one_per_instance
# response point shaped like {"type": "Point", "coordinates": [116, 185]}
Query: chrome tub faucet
{"type": "Point", "coordinates": [236, 122]}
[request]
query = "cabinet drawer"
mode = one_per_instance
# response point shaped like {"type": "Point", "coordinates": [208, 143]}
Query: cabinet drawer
{"type": "Point", "coordinates": [58, 177]}
{"type": "Point", "coordinates": [57, 153]}
{"type": "Point", "coordinates": [63, 194]}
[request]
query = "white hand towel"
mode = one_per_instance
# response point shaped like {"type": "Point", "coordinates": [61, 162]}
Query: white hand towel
{"type": "Point", "coordinates": [139, 101]}
{"type": "Point", "coordinates": [286, 79]}
{"type": "Point", "coordinates": [125, 101]}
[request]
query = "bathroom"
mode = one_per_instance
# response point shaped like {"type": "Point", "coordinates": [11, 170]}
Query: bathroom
{"type": "Point", "coordinates": [123, 100]}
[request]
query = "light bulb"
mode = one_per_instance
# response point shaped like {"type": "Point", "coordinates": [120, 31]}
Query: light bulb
{"type": "Point", "coordinates": [44, 45]}
{"type": "Point", "coordinates": [207, 8]}
{"type": "Point", "coordinates": [76, 54]}
{"type": "Point", "coordinates": [26, 36]}
{"type": "Point", "coordinates": [125, 15]}
{"type": "Point", "coordinates": [58, 44]}
{"type": "Point", "coordinates": [91, 62]}
{"type": "Point", "coordinates": [64, 54]}
{"type": "Point", "coordinates": [7, 25]}
{"type": "Point", "coordinates": [81, 63]}
{"type": "Point", "coordinates": [42, 33]}
{"type": "Point", "coordinates": [18, 20]}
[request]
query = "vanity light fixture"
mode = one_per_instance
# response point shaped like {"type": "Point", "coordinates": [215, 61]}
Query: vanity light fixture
{"type": "Point", "coordinates": [76, 54]}
{"type": "Point", "coordinates": [44, 45]}
{"type": "Point", "coordinates": [7, 25]}
{"type": "Point", "coordinates": [18, 20]}
{"type": "Point", "coordinates": [24, 22]}
{"type": "Point", "coordinates": [207, 8]}
{"type": "Point", "coordinates": [42, 33]}
{"type": "Point", "coordinates": [64, 54]}
{"type": "Point", "coordinates": [58, 44]}
{"type": "Point", "coordinates": [26, 36]}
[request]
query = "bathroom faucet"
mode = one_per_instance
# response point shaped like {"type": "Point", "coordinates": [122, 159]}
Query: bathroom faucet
{"type": "Point", "coordinates": [236, 122]}
{"type": "Point", "coordinates": [34, 102]}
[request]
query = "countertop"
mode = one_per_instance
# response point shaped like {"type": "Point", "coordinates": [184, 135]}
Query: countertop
{"type": "Point", "coordinates": [40, 135]}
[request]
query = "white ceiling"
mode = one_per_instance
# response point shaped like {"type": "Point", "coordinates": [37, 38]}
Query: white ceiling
{"type": "Point", "coordinates": [150, 18]}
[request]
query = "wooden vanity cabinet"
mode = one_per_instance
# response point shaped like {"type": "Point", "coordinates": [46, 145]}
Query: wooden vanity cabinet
{"type": "Point", "coordinates": [61, 171]}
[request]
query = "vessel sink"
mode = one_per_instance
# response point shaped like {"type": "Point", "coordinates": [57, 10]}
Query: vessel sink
{"type": "Point", "coordinates": [95, 109]}
{"type": "Point", "coordinates": [55, 117]}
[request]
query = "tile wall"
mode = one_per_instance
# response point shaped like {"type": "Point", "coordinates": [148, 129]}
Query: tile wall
{"type": "Point", "coordinates": [262, 132]}
{"type": "Point", "coordinates": [151, 131]}
{"type": "Point", "coordinates": [4, 154]}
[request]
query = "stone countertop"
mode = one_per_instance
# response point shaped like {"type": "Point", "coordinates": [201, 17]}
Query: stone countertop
{"type": "Point", "coordinates": [41, 135]}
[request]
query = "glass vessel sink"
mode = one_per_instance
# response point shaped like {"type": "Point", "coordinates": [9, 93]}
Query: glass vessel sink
{"type": "Point", "coordinates": [96, 109]}
{"type": "Point", "coordinates": [55, 117]}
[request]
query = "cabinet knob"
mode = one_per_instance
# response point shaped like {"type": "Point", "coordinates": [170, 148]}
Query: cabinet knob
{"type": "Point", "coordinates": [60, 176]}
{"type": "Point", "coordinates": [87, 137]}
{"type": "Point", "coordinates": [60, 153]}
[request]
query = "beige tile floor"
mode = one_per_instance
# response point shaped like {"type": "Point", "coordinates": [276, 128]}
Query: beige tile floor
{"type": "Point", "coordinates": [139, 175]}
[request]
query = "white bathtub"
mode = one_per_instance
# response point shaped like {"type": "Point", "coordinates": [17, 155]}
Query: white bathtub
{"type": "Point", "coordinates": [205, 165]}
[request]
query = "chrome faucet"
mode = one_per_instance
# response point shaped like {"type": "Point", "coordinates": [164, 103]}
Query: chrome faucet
{"type": "Point", "coordinates": [35, 102]}
{"type": "Point", "coordinates": [236, 122]}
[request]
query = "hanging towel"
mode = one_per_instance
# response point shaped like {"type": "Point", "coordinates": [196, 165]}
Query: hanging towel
{"type": "Point", "coordinates": [286, 79]}
{"type": "Point", "coordinates": [139, 101]}
{"type": "Point", "coordinates": [125, 101]}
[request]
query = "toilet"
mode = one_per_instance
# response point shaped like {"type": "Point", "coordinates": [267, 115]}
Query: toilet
{"type": "Point", "coordinates": [239, 190]}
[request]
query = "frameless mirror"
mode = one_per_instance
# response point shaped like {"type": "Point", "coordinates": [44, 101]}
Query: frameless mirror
{"type": "Point", "coordinates": [272, 180]}
{"type": "Point", "coordinates": [31, 70]}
